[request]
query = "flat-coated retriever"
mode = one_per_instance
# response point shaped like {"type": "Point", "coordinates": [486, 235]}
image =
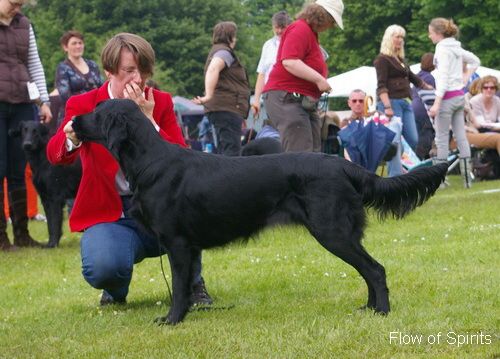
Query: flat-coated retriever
{"type": "Point", "coordinates": [193, 200]}
{"type": "Point", "coordinates": [54, 184]}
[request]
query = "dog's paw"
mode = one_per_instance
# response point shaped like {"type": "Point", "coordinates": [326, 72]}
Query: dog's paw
{"type": "Point", "coordinates": [382, 312]}
{"type": "Point", "coordinates": [169, 319]}
{"type": "Point", "coordinates": [163, 321]}
{"type": "Point", "coordinates": [374, 310]}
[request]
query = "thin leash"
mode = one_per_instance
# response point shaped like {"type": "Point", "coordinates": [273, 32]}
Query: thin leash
{"type": "Point", "coordinates": [193, 308]}
{"type": "Point", "coordinates": [169, 292]}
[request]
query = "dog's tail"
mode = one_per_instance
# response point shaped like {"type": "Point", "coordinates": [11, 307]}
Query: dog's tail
{"type": "Point", "coordinates": [397, 196]}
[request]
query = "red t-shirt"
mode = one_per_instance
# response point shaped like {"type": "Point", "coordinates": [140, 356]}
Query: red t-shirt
{"type": "Point", "coordinates": [300, 42]}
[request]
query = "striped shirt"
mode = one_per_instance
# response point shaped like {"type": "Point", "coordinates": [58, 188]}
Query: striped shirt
{"type": "Point", "coordinates": [35, 68]}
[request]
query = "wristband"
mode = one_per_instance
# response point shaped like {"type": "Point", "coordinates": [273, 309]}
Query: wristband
{"type": "Point", "coordinates": [387, 107]}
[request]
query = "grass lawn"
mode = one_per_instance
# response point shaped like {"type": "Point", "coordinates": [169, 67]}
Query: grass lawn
{"type": "Point", "coordinates": [289, 297]}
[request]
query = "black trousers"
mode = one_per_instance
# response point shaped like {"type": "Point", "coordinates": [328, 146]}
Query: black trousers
{"type": "Point", "coordinates": [227, 131]}
{"type": "Point", "coordinates": [12, 159]}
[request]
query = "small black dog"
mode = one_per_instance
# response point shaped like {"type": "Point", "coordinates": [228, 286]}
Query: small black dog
{"type": "Point", "coordinates": [54, 184]}
{"type": "Point", "coordinates": [193, 200]}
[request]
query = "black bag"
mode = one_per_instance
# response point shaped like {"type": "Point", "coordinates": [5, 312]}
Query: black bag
{"type": "Point", "coordinates": [488, 166]}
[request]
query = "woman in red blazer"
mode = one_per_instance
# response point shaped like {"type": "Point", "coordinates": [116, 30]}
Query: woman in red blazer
{"type": "Point", "coordinates": [112, 241]}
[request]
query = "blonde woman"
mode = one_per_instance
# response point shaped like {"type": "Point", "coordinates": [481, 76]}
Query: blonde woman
{"type": "Point", "coordinates": [448, 108]}
{"type": "Point", "coordinates": [393, 88]}
{"type": "Point", "coordinates": [483, 130]}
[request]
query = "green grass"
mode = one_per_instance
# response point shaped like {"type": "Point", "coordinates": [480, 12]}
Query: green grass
{"type": "Point", "coordinates": [291, 298]}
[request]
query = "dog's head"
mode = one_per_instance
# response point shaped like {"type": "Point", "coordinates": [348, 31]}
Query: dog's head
{"type": "Point", "coordinates": [34, 135]}
{"type": "Point", "coordinates": [108, 124]}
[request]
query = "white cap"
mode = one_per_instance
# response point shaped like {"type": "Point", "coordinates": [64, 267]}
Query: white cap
{"type": "Point", "coordinates": [334, 8]}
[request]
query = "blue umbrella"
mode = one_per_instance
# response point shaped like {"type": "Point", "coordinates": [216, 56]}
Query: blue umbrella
{"type": "Point", "coordinates": [366, 144]}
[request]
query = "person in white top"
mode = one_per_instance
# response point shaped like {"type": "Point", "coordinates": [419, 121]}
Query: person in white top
{"type": "Point", "coordinates": [448, 108]}
{"type": "Point", "coordinates": [280, 21]}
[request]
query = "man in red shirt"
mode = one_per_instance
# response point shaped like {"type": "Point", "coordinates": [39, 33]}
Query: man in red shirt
{"type": "Point", "coordinates": [299, 77]}
{"type": "Point", "coordinates": [113, 241]}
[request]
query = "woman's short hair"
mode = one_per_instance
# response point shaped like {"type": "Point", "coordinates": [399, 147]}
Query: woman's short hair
{"type": "Point", "coordinates": [316, 16]}
{"type": "Point", "coordinates": [68, 35]}
{"type": "Point", "coordinates": [224, 32]}
{"type": "Point", "coordinates": [427, 62]}
{"type": "Point", "coordinates": [445, 27]}
{"type": "Point", "coordinates": [140, 48]}
{"type": "Point", "coordinates": [281, 19]}
{"type": "Point", "coordinates": [475, 86]}
{"type": "Point", "coordinates": [387, 47]}
{"type": "Point", "coordinates": [489, 78]}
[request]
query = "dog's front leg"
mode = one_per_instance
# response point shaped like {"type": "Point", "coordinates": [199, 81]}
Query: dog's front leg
{"type": "Point", "coordinates": [180, 264]}
{"type": "Point", "coordinates": [54, 212]}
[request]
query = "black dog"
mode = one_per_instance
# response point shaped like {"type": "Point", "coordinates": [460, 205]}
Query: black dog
{"type": "Point", "coordinates": [54, 184]}
{"type": "Point", "coordinates": [262, 146]}
{"type": "Point", "coordinates": [193, 200]}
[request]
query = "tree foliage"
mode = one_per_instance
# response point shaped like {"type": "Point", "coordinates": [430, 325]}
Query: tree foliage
{"type": "Point", "coordinates": [180, 31]}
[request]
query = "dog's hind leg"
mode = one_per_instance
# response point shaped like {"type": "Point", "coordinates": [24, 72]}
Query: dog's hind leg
{"type": "Point", "coordinates": [352, 252]}
{"type": "Point", "coordinates": [180, 258]}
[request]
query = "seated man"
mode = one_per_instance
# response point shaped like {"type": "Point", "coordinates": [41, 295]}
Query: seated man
{"type": "Point", "coordinates": [356, 103]}
{"type": "Point", "coordinates": [369, 153]}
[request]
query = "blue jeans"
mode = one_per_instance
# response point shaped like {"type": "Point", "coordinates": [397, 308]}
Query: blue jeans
{"type": "Point", "coordinates": [12, 159]}
{"type": "Point", "coordinates": [404, 111]}
{"type": "Point", "coordinates": [110, 250]}
{"type": "Point", "coordinates": [394, 166]}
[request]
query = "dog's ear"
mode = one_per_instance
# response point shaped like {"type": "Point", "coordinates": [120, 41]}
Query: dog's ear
{"type": "Point", "coordinates": [114, 127]}
{"type": "Point", "coordinates": [16, 131]}
{"type": "Point", "coordinates": [84, 127]}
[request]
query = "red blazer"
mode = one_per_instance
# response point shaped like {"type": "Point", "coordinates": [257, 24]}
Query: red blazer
{"type": "Point", "coordinates": [97, 200]}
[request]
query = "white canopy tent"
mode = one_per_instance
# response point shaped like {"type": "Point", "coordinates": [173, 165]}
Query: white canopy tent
{"type": "Point", "coordinates": [365, 78]}
{"type": "Point", "coordinates": [481, 71]}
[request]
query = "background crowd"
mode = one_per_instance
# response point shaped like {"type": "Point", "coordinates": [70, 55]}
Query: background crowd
{"type": "Point", "coordinates": [291, 77]}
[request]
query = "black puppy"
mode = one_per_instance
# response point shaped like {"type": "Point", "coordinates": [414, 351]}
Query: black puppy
{"type": "Point", "coordinates": [262, 146]}
{"type": "Point", "coordinates": [193, 200]}
{"type": "Point", "coordinates": [54, 184]}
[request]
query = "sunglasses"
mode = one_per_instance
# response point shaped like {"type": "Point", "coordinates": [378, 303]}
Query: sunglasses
{"type": "Point", "coordinates": [489, 88]}
{"type": "Point", "coordinates": [357, 100]}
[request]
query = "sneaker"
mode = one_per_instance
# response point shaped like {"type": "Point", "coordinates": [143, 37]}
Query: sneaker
{"type": "Point", "coordinates": [39, 218]}
{"type": "Point", "coordinates": [199, 295]}
{"type": "Point", "coordinates": [445, 184]}
{"type": "Point", "coordinates": [107, 299]}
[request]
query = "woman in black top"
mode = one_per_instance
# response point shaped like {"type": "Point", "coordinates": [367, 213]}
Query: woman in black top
{"type": "Point", "coordinates": [75, 75]}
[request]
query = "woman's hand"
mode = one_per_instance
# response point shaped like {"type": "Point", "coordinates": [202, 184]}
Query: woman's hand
{"type": "Point", "coordinates": [323, 85]}
{"type": "Point", "coordinates": [255, 108]}
{"type": "Point", "coordinates": [133, 92]}
{"type": "Point", "coordinates": [388, 112]}
{"type": "Point", "coordinates": [433, 111]}
{"type": "Point", "coordinates": [201, 100]}
{"type": "Point", "coordinates": [426, 86]}
{"type": "Point", "coordinates": [45, 114]}
{"type": "Point", "coordinates": [70, 134]}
